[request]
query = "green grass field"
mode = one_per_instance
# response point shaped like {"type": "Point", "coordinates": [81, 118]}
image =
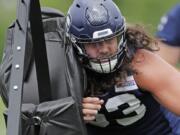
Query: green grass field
{"type": "Point", "coordinates": [146, 12]}
{"type": "Point", "coordinates": [2, 124]}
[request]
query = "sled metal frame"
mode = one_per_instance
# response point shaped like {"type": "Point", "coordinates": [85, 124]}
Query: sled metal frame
{"type": "Point", "coordinates": [26, 15]}
{"type": "Point", "coordinates": [17, 72]}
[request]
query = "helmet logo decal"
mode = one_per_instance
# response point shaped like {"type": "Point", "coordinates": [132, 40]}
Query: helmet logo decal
{"type": "Point", "coordinates": [97, 15]}
{"type": "Point", "coordinates": [102, 33]}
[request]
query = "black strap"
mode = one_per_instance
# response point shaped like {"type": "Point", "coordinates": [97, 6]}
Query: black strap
{"type": "Point", "coordinates": [40, 52]}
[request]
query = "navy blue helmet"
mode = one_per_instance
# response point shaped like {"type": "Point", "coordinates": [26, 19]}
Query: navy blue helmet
{"type": "Point", "coordinates": [90, 21]}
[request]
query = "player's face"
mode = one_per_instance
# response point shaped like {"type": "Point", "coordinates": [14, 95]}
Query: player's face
{"type": "Point", "coordinates": [102, 49]}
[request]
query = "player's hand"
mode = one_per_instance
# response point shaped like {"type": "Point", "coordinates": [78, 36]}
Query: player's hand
{"type": "Point", "coordinates": [91, 106]}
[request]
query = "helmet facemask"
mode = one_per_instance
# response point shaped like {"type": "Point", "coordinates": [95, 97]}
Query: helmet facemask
{"type": "Point", "coordinates": [105, 64]}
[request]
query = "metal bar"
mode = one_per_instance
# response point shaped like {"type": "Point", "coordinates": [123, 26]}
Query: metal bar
{"type": "Point", "coordinates": [16, 82]}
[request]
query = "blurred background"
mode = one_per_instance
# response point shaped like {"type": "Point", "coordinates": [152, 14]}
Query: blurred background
{"type": "Point", "coordinates": [146, 12]}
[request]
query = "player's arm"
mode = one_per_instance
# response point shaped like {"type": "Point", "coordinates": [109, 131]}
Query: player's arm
{"type": "Point", "coordinates": [158, 77]}
{"type": "Point", "coordinates": [169, 53]}
{"type": "Point", "coordinates": [169, 34]}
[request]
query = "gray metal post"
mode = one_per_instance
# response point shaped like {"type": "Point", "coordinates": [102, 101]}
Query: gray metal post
{"type": "Point", "coordinates": [16, 85]}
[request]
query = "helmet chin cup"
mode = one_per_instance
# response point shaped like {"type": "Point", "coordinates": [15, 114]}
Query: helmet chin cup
{"type": "Point", "coordinates": [104, 67]}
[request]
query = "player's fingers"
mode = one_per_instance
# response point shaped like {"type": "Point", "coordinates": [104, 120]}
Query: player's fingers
{"type": "Point", "coordinates": [91, 106]}
{"type": "Point", "coordinates": [89, 112]}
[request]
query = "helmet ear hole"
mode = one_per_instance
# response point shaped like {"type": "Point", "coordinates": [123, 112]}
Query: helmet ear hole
{"type": "Point", "coordinates": [77, 5]}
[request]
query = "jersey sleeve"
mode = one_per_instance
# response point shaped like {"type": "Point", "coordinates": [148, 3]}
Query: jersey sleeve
{"type": "Point", "coordinates": [169, 27]}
